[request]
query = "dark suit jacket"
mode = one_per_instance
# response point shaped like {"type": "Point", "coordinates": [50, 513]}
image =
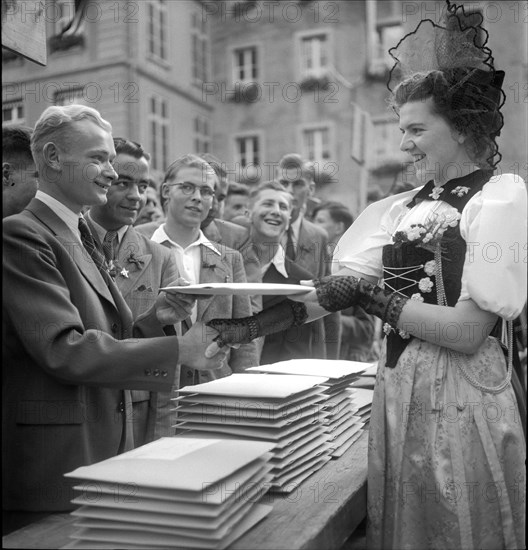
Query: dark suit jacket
{"type": "Point", "coordinates": [64, 362]}
{"type": "Point", "coordinates": [296, 342]}
{"type": "Point", "coordinates": [156, 267]}
{"type": "Point", "coordinates": [312, 255]}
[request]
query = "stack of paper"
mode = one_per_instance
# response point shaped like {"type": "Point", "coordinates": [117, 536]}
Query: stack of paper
{"type": "Point", "coordinates": [176, 492]}
{"type": "Point", "coordinates": [284, 410]}
{"type": "Point", "coordinates": [341, 424]}
{"type": "Point", "coordinates": [367, 378]}
{"type": "Point", "coordinates": [362, 402]}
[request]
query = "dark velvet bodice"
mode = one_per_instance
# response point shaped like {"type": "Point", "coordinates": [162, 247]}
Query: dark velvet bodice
{"type": "Point", "coordinates": [410, 255]}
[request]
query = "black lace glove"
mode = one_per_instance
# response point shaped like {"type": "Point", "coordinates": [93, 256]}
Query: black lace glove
{"type": "Point", "coordinates": [337, 293]}
{"type": "Point", "coordinates": [274, 319]}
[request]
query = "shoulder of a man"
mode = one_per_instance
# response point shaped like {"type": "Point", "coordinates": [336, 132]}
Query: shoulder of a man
{"type": "Point", "coordinates": [313, 230]}
{"type": "Point", "coordinates": [147, 245]}
{"type": "Point", "coordinates": [230, 234]}
{"type": "Point", "coordinates": [147, 229]}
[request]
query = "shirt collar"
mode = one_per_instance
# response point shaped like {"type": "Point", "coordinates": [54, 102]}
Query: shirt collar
{"type": "Point", "coordinates": [279, 261]}
{"type": "Point", "coordinates": [69, 217]}
{"type": "Point", "coordinates": [160, 236]}
{"type": "Point", "coordinates": [455, 189]}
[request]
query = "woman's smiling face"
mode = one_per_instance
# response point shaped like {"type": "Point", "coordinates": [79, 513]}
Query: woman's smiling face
{"type": "Point", "coordinates": [437, 149]}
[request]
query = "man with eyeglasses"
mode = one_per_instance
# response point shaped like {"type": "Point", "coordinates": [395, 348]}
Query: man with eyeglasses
{"type": "Point", "coordinates": [307, 244]}
{"type": "Point", "coordinates": [189, 187]}
{"type": "Point", "coordinates": [139, 266]}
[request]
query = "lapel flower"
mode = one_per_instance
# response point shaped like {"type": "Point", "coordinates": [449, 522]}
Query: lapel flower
{"type": "Point", "coordinates": [435, 195]}
{"type": "Point", "coordinates": [133, 260]}
{"type": "Point", "coordinates": [124, 273]}
{"type": "Point", "coordinates": [460, 191]}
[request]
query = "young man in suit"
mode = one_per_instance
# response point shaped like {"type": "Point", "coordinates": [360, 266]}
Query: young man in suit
{"type": "Point", "coordinates": [189, 187]}
{"type": "Point", "coordinates": [70, 344]}
{"type": "Point", "coordinates": [140, 268]}
{"type": "Point", "coordinates": [307, 245]}
{"type": "Point", "coordinates": [270, 211]}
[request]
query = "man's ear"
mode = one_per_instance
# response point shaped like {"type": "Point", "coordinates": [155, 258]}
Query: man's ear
{"type": "Point", "coordinates": [51, 155]}
{"type": "Point", "coordinates": [312, 188]}
{"type": "Point", "coordinates": [164, 190]}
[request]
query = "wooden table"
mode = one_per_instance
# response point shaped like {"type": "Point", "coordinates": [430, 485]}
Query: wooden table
{"type": "Point", "coordinates": [321, 514]}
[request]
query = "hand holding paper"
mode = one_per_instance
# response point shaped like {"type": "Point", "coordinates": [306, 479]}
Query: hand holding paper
{"type": "Point", "coordinates": [172, 307]}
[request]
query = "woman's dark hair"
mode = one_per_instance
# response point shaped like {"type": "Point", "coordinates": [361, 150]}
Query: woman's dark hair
{"type": "Point", "coordinates": [468, 99]}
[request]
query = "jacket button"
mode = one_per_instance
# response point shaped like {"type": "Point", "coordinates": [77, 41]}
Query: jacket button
{"type": "Point", "coordinates": [148, 372]}
{"type": "Point", "coordinates": [156, 372]}
{"type": "Point", "coordinates": [164, 373]}
{"type": "Point", "coordinates": [121, 407]}
{"type": "Point", "coordinates": [114, 327]}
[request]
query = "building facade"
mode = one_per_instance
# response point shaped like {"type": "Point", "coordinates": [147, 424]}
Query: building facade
{"type": "Point", "coordinates": [253, 80]}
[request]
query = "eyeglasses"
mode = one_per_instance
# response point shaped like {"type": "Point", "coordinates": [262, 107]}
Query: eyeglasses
{"type": "Point", "coordinates": [189, 188]}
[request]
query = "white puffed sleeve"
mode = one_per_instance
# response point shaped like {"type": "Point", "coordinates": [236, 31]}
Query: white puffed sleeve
{"type": "Point", "coordinates": [361, 247]}
{"type": "Point", "coordinates": [493, 224]}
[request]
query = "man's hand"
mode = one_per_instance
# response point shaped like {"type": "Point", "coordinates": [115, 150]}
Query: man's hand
{"type": "Point", "coordinates": [172, 307]}
{"type": "Point", "coordinates": [198, 349]}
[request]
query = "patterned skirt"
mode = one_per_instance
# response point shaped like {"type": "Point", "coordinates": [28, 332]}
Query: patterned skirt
{"type": "Point", "coordinates": [446, 461]}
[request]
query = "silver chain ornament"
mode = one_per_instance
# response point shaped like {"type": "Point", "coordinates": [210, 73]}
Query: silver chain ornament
{"type": "Point", "coordinates": [460, 357]}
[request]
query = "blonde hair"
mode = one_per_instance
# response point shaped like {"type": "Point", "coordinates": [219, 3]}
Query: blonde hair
{"type": "Point", "coordinates": [54, 120]}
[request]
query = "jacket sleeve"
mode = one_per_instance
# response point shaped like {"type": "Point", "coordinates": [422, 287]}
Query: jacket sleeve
{"type": "Point", "coordinates": [58, 321]}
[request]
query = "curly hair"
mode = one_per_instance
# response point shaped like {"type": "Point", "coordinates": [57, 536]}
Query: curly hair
{"type": "Point", "coordinates": [468, 99]}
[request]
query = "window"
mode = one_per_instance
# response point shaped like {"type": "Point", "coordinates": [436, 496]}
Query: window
{"type": "Point", "coordinates": [247, 151]}
{"type": "Point", "coordinates": [70, 97]}
{"type": "Point", "coordinates": [200, 48]}
{"type": "Point", "coordinates": [13, 112]}
{"type": "Point", "coordinates": [315, 55]}
{"type": "Point", "coordinates": [245, 64]}
{"type": "Point", "coordinates": [157, 29]}
{"type": "Point", "coordinates": [384, 144]}
{"type": "Point", "coordinates": [202, 139]}
{"type": "Point", "coordinates": [316, 145]}
{"type": "Point", "coordinates": [159, 132]}
{"type": "Point", "coordinates": [387, 36]}
{"type": "Point", "coordinates": [60, 14]}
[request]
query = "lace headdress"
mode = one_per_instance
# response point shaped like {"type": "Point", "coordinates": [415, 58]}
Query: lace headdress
{"type": "Point", "coordinates": [455, 54]}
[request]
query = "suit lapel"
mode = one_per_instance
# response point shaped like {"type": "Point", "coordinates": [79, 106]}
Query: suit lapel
{"type": "Point", "coordinates": [73, 246]}
{"type": "Point", "coordinates": [130, 245]}
{"type": "Point", "coordinates": [212, 270]}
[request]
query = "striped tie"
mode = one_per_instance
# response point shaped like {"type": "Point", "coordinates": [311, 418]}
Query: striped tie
{"type": "Point", "coordinates": [109, 245]}
{"type": "Point", "coordinates": [89, 243]}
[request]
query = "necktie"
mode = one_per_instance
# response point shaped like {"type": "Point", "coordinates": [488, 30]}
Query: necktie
{"type": "Point", "coordinates": [109, 245]}
{"type": "Point", "coordinates": [89, 243]}
{"type": "Point", "coordinates": [290, 245]}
